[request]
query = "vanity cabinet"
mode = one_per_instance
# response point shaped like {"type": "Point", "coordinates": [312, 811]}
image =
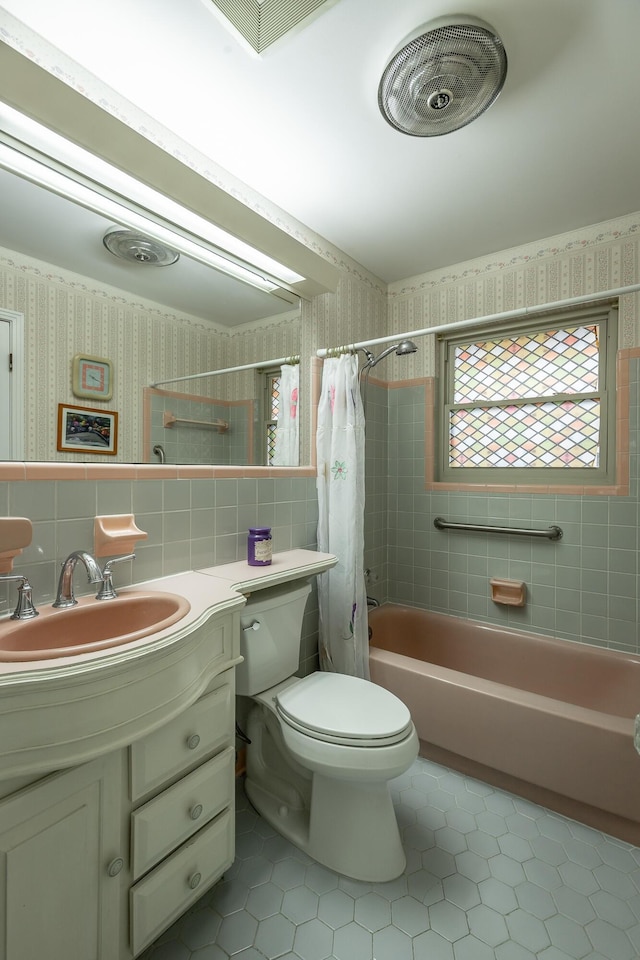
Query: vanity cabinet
{"type": "Point", "coordinates": [182, 783]}
{"type": "Point", "coordinates": [117, 776]}
{"type": "Point", "coordinates": [61, 862]}
{"type": "Point", "coordinates": [96, 861]}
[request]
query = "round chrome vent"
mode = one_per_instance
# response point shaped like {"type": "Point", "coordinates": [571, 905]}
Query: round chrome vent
{"type": "Point", "coordinates": [443, 77]}
{"type": "Point", "coordinates": [136, 248]}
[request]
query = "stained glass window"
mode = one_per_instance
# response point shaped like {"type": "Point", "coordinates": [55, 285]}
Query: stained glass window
{"type": "Point", "coordinates": [538, 364]}
{"type": "Point", "coordinates": [273, 410]}
{"type": "Point", "coordinates": [535, 397]}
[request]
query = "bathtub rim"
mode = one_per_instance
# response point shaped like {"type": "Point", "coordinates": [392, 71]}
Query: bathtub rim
{"type": "Point", "coordinates": [487, 626]}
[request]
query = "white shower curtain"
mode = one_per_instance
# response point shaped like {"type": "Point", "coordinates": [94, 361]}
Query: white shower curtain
{"type": "Point", "coordinates": [344, 642]}
{"type": "Point", "coordinates": [286, 452]}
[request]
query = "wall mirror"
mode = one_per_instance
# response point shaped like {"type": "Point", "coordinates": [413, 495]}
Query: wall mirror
{"type": "Point", "coordinates": [152, 323]}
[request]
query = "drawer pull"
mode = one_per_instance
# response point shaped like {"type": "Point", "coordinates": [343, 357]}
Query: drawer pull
{"type": "Point", "coordinates": [195, 811]}
{"type": "Point", "coordinates": [194, 880]}
{"type": "Point", "coordinates": [115, 867]}
{"type": "Point", "coordinates": [193, 741]}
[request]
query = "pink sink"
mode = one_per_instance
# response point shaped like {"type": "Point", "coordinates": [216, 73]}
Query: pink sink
{"type": "Point", "coordinates": [91, 625]}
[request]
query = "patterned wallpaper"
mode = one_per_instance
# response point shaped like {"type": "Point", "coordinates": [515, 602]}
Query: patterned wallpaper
{"type": "Point", "coordinates": [599, 257]}
{"type": "Point", "coordinates": [66, 314]}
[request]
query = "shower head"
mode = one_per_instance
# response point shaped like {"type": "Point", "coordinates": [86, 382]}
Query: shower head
{"type": "Point", "coordinates": [404, 347]}
{"type": "Point", "coordinates": [400, 349]}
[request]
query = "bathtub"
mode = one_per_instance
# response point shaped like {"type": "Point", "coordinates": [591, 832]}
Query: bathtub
{"type": "Point", "coordinates": [550, 720]}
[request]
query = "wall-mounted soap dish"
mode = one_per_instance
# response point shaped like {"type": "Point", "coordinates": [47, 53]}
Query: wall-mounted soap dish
{"type": "Point", "coordinates": [511, 593]}
{"type": "Point", "coordinates": [116, 534]}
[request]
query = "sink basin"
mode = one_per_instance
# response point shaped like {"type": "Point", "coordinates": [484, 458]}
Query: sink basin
{"type": "Point", "coordinates": [91, 625]}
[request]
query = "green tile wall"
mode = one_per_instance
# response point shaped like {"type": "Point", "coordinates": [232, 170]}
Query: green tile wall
{"type": "Point", "coordinates": [584, 587]}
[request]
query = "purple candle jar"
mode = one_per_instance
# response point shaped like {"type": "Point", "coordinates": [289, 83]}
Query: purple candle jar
{"type": "Point", "coordinates": [259, 546]}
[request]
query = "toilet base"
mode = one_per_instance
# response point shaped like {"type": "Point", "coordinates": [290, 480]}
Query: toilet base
{"type": "Point", "coordinates": [351, 828]}
{"type": "Point", "coordinates": [346, 825]}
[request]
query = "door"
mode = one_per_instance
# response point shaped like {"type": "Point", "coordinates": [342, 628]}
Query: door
{"type": "Point", "coordinates": [60, 889]}
{"type": "Point", "coordinates": [11, 385]}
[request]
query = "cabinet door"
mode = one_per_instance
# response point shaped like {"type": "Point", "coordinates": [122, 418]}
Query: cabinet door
{"type": "Point", "coordinates": [59, 846]}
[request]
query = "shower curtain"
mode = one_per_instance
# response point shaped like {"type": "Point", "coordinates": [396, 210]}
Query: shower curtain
{"type": "Point", "coordinates": [344, 642]}
{"type": "Point", "coordinates": [286, 452]}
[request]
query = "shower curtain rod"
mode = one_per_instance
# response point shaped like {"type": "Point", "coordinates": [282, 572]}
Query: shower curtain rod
{"type": "Point", "coordinates": [245, 366]}
{"type": "Point", "coordinates": [490, 318]}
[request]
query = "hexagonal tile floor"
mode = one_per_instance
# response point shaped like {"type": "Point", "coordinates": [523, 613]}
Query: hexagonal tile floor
{"type": "Point", "coordinates": [489, 877]}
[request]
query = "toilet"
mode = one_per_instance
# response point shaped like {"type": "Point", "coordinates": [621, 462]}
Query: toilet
{"type": "Point", "coordinates": [323, 748]}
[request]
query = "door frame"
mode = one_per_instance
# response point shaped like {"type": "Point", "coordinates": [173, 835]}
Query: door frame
{"type": "Point", "coordinates": [16, 382]}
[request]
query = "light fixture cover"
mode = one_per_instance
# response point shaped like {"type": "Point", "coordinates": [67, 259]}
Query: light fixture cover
{"type": "Point", "coordinates": [136, 248]}
{"type": "Point", "coordinates": [442, 77]}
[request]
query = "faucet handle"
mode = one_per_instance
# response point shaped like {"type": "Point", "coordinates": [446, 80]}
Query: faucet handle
{"type": "Point", "coordinates": [107, 590]}
{"type": "Point", "coordinates": [25, 609]}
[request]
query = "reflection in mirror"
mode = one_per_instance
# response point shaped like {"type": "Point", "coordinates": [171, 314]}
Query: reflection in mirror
{"type": "Point", "coordinates": [153, 323]}
{"type": "Point", "coordinates": [261, 429]}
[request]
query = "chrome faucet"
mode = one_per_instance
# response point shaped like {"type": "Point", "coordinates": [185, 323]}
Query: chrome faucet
{"type": "Point", "coordinates": [25, 609]}
{"type": "Point", "coordinates": [65, 596]}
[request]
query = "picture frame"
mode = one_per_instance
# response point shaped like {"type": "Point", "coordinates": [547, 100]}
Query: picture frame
{"type": "Point", "coordinates": [92, 377]}
{"type": "Point", "coordinates": [87, 430]}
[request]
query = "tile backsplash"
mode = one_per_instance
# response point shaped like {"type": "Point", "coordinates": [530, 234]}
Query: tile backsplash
{"type": "Point", "coordinates": [191, 524]}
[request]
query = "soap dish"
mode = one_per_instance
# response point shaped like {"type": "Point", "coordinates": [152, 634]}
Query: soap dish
{"type": "Point", "coordinates": [511, 593]}
{"type": "Point", "coordinates": [116, 534]}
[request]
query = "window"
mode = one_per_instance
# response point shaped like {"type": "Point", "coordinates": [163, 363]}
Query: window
{"type": "Point", "coordinates": [272, 410]}
{"type": "Point", "coordinates": [538, 397]}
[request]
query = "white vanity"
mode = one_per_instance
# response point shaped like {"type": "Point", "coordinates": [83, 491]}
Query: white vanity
{"type": "Point", "coordinates": [117, 774]}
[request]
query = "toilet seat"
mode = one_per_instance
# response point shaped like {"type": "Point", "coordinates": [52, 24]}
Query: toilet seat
{"type": "Point", "coordinates": [344, 710]}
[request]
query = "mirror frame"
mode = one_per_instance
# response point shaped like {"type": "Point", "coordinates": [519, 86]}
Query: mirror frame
{"type": "Point", "coordinates": [33, 91]}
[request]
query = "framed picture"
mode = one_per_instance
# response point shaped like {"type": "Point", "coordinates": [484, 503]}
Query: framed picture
{"type": "Point", "coordinates": [87, 430]}
{"type": "Point", "coordinates": [92, 377]}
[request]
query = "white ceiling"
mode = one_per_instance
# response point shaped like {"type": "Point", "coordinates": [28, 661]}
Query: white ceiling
{"type": "Point", "coordinates": [300, 124]}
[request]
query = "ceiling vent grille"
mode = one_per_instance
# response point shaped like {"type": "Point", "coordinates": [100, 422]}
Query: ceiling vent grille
{"type": "Point", "coordinates": [261, 24]}
{"type": "Point", "coordinates": [442, 77]}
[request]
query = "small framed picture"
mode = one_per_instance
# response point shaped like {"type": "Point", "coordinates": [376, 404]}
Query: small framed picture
{"type": "Point", "coordinates": [91, 377]}
{"type": "Point", "coordinates": [87, 430]}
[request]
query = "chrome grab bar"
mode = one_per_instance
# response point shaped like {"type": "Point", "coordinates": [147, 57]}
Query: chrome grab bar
{"type": "Point", "coordinates": [551, 533]}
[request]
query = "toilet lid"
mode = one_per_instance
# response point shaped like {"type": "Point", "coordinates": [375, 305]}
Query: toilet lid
{"type": "Point", "coordinates": [347, 710]}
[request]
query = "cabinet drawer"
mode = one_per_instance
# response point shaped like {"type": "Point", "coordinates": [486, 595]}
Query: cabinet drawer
{"type": "Point", "coordinates": [165, 822]}
{"type": "Point", "coordinates": [168, 890]}
{"type": "Point", "coordinates": [203, 728]}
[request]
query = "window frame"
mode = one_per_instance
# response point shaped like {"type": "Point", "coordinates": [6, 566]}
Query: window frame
{"type": "Point", "coordinates": [606, 316]}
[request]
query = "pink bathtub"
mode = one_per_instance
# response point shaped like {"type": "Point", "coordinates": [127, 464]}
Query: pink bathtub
{"type": "Point", "coordinates": [547, 719]}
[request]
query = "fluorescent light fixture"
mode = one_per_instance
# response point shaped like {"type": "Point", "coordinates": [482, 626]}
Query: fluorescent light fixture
{"type": "Point", "coordinates": [85, 164]}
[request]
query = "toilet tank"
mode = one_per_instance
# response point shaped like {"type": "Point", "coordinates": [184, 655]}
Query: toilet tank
{"type": "Point", "coordinates": [271, 628]}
